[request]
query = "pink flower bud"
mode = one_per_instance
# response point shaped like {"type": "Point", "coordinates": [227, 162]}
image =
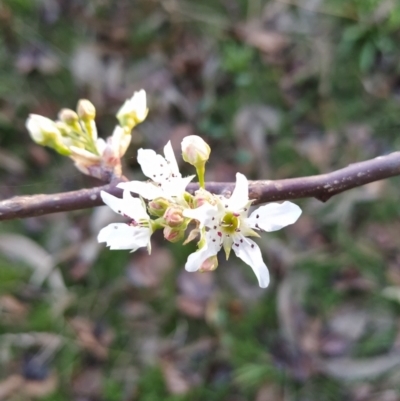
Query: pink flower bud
{"type": "Point", "coordinates": [173, 216]}
{"type": "Point", "coordinates": [209, 264]}
{"type": "Point", "coordinates": [202, 196]}
{"type": "Point", "coordinates": [68, 116]}
{"type": "Point", "coordinates": [195, 151]}
{"type": "Point", "coordinates": [157, 207]}
{"type": "Point", "coordinates": [173, 234]}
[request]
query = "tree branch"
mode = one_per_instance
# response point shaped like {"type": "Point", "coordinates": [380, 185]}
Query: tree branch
{"type": "Point", "coordinates": [322, 187]}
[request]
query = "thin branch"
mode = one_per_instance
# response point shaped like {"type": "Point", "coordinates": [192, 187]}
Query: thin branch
{"type": "Point", "coordinates": [322, 187]}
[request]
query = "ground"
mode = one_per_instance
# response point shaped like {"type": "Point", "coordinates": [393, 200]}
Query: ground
{"type": "Point", "coordinates": [278, 89]}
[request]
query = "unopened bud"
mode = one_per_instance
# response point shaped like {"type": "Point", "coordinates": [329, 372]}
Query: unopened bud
{"type": "Point", "coordinates": [45, 132]}
{"type": "Point", "coordinates": [41, 128]}
{"type": "Point", "coordinates": [133, 111]}
{"type": "Point", "coordinates": [87, 113]}
{"type": "Point", "coordinates": [69, 123]}
{"type": "Point", "coordinates": [209, 264]}
{"type": "Point", "coordinates": [86, 110]}
{"type": "Point", "coordinates": [157, 207]}
{"type": "Point", "coordinates": [195, 151]}
{"type": "Point", "coordinates": [68, 116]}
{"type": "Point", "coordinates": [202, 196]}
{"type": "Point", "coordinates": [173, 216]}
{"type": "Point", "coordinates": [63, 128]}
{"type": "Point", "coordinates": [172, 234]}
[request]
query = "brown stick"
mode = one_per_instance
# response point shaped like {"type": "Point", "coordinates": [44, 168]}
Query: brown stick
{"type": "Point", "coordinates": [322, 187]}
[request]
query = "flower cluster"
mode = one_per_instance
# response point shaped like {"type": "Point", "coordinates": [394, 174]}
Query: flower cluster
{"type": "Point", "coordinates": [74, 134]}
{"type": "Point", "coordinates": [219, 222]}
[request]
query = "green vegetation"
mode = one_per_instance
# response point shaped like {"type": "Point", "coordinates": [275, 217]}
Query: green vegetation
{"type": "Point", "coordinates": [278, 91]}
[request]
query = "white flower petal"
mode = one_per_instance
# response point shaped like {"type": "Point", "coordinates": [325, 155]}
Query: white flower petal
{"type": "Point", "coordinates": [101, 145]}
{"type": "Point", "coordinates": [133, 207]}
{"type": "Point", "coordinates": [274, 216]}
{"type": "Point", "coordinates": [39, 127]}
{"type": "Point", "coordinates": [127, 206]}
{"type": "Point", "coordinates": [196, 259]}
{"type": "Point", "coordinates": [119, 141]}
{"type": "Point", "coordinates": [154, 166]}
{"type": "Point", "coordinates": [123, 236]}
{"type": "Point", "coordinates": [240, 195]}
{"type": "Point", "coordinates": [170, 158]}
{"type": "Point", "coordinates": [126, 108]}
{"type": "Point", "coordinates": [83, 155]}
{"type": "Point", "coordinates": [146, 190]}
{"type": "Point", "coordinates": [135, 107]}
{"type": "Point", "coordinates": [176, 186]}
{"type": "Point", "coordinates": [116, 204]}
{"type": "Point", "coordinates": [140, 104]}
{"type": "Point", "coordinates": [204, 214]}
{"type": "Point", "coordinates": [250, 253]}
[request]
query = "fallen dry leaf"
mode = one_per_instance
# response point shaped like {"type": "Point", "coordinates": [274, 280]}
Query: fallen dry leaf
{"type": "Point", "coordinates": [149, 272]}
{"type": "Point", "coordinates": [11, 309]}
{"type": "Point", "coordinates": [359, 369]}
{"type": "Point", "coordinates": [252, 125]}
{"type": "Point", "coordinates": [195, 291]}
{"type": "Point", "coordinates": [270, 392]}
{"type": "Point", "coordinates": [11, 163]}
{"type": "Point", "coordinates": [174, 379]}
{"type": "Point", "coordinates": [319, 149]}
{"type": "Point", "coordinates": [20, 387]}
{"type": "Point", "coordinates": [184, 368]}
{"type": "Point", "coordinates": [254, 34]}
{"type": "Point", "coordinates": [96, 341]}
{"type": "Point", "coordinates": [88, 383]}
{"type": "Point", "coordinates": [9, 386]}
{"type": "Point", "coordinates": [40, 388]}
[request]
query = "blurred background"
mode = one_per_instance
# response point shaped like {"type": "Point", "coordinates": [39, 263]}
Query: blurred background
{"type": "Point", "coordinates": [278, 89]}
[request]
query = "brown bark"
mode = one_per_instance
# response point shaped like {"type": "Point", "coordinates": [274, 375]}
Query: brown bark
{"type": "Point", "coordinates": [322, 187]}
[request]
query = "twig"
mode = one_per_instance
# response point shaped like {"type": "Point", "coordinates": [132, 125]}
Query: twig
{"type": "Point", "coordinates": [322, 187]}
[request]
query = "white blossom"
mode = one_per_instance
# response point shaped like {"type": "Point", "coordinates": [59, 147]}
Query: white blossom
{"type": "Point", "coordinates": [227, 224]}
{"type": "Point", "coordinates": [108, 153]}
{"type": "Point", "coordinates": [132, 235]}
{"type": "Point", "coordinates": [167, 181]}
{"type": "Point", "coordinates": [134, 110]}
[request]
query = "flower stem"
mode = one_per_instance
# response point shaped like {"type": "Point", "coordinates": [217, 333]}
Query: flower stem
{"type": "Point", "coordinates": [200, 170]}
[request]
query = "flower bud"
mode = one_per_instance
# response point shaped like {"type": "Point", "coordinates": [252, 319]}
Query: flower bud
{"type": "Point", "coordinates": [63, 128]}
{"type": "Point", "coordinates": [118, 142]}
{"type": "Point", "coordinates": [87, 113]}
{"type": "Point", "coordinates": [173, 234]}
{"type": "Point", "coordinates": [202, 196]}
{"type": "Point", "coordinates": [41, 128]}
{"type": "Point", "coordinates": [133, 111]}
{"type": "Point", "coordinates": [195, 151]}
{"type": "Point", "coordinates": [68, 116]}
{"type": "Point", "coordinates": [157, 207]}
{"type": "Point", "coordinates": [209, 264]}
{"type": "Point", "coordinates": [45, 132]}
{"type": "Point", "coordinates": [86, 110]}
{"type": "Point", "coordinates": [69, 123]}
{"type": "Point", "coordinates": [173, 216]}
